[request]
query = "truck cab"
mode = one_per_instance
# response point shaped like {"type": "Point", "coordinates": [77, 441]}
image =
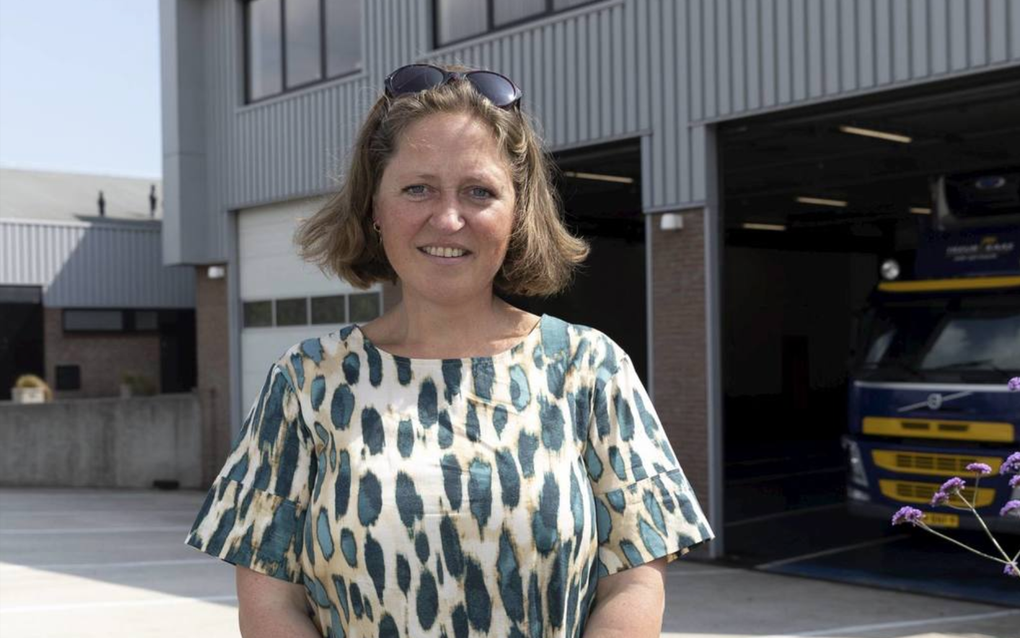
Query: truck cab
{"type": "Point", "coordinates": [928, 379]}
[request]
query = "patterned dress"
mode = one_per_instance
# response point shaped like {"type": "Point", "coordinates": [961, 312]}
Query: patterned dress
{"type": "Point", "coordinates": [482, 496]}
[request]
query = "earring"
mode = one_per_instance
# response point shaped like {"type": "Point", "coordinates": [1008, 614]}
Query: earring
{"type": "Point", "coordinates": [377, 228]}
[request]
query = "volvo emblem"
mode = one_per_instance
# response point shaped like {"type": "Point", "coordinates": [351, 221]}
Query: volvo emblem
{"type": "Point", "coordinates": [935, 401]}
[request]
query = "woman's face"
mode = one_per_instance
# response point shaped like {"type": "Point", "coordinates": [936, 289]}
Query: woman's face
{"type": "Point", "coordinates": [446, 190]}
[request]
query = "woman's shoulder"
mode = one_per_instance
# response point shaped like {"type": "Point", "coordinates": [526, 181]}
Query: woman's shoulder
{"type": "Point", "coordinates": [299, 361]}
{"type": "Point", "coordinates": [579, 339]}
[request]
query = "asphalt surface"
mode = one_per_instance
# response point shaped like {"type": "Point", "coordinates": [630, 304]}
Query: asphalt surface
{"type": "Point", "coordinates": [786, 514]}
{"type": "Point", "coordinates": [90, 563]}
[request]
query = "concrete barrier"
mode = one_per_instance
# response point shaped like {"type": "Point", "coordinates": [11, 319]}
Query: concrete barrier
{"type": "Point", "coordinates": [108, 442]}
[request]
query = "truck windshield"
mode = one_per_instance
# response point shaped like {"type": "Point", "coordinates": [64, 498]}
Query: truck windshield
{"type": "Point", "coordinates": [932, 342]}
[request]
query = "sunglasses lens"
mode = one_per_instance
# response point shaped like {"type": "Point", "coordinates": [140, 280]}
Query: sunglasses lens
{"type": "Point", "coordinates": [497, 88]}
{"type": "Point", "coordinates": [412, 79]}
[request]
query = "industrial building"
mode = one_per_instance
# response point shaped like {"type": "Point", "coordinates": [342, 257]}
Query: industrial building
{"type": "Point", "coordinates": [742, 170]}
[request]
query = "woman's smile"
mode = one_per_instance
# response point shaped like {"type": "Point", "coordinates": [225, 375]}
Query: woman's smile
{"type": "Point", "coordinates": [445, 256]}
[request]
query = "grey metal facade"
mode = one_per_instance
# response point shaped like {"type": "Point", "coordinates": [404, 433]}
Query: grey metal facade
{"type": "Point", "coordinates": [659, 69]}
{"type": "Point", "coordinates": [84, 265]}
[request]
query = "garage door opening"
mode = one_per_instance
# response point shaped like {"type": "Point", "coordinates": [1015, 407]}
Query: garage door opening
{"type": "Point", "coordinates": [600, 187]}
{"type": "Point", "coordinates": [814, 203]}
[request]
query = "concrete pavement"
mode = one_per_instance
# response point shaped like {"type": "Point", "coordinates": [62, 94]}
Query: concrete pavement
{"type": "Point", "coordinates": [112, 563]}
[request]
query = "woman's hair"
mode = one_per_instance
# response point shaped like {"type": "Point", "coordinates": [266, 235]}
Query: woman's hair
{"type": "Point", "coordinates": [542, 255]}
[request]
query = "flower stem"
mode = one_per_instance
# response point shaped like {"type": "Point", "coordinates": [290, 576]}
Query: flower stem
{"type": "Point", "coordinates": [966, 547]}
{"type": "Point", "coordinates": [982, 522]}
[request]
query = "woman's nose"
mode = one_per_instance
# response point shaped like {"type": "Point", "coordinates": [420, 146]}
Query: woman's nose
{"type": "Point", "coordinates": [447, 215]}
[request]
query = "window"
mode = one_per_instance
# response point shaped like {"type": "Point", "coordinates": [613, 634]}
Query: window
{"type": "Point", "coordinates": [21, 294]}
{"type": "Point", "coordinates": [292, 312]}
{"type": "Point", "coordinates": [146, 320]}
{"type": "Point", "coordinates": [329, 309]}
{"type": "Point", "coordinates": [93, 321]}
{"type": "Point", "coordinates": [295, 43]}
{"type": "Point", "coordinates": [304, 46]}
{"type": "Point", "coordinates": [265, 68]}
{"type": "Point", "coordinates": [509, 12]}
{"type": "Point", "coordinates": [458, 20]}
{"type": "Point", "coordinates": [343, 41]}
{"type": "Point", "coordinates": [111, 320]}
{"type": "Point", "coordinates": [258, 314]}
{"type": "Point", "coordinates": [364, 306]}
{"type": "Point", "coordinates": [976, 341]}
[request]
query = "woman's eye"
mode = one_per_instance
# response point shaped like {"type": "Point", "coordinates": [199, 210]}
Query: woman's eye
{"type": "Point", "coordinates": [415, 189]}
{"type": "Point", "coordinates": [481, 193]}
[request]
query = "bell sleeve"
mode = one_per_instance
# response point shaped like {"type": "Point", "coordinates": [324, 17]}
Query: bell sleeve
{"type": "Point", "coordinates": [644, 507]}
{"type": "Point", "coordinates": [254, 513]}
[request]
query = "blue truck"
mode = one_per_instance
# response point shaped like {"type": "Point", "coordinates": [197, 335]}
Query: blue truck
{"type": "Point", "coordinates": [933, 354]}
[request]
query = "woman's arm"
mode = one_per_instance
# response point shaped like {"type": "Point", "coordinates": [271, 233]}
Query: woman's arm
{"type": "Point", "coordinates": [630, 603]}
{"type": "Point", "coordinates": [269, 606]}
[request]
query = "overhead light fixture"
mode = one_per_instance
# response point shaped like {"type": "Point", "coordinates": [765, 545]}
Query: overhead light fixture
{"type": "Point", "coordinates": [882, 135]}
{"type": "Point", "coordinates": [216, 272]}
{"type": "Point", "coordinates": [757, 226]}
{"type": "Point", "coordinates": [599, 177]}
{"type": "Point", "coordinates": [822, 202]}
{"type": "Point", "coordinates": [917, 210]}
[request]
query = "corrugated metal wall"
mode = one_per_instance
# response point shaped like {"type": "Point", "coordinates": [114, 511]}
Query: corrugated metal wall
{"type": "Point", "coordinates": [657, 68]}
{"type": "Point", "coordinates": [93, 265]}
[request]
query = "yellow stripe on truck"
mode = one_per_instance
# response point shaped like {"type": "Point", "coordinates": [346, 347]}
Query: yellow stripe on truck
{"type": "Point", "coordinates": [939, 429]}
{"type": "Point", "coordinates": [962, 283]}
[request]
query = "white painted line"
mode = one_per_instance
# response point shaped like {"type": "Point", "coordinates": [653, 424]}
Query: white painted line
{"type": "Point", "coordinates": [145, 602]}
{"type": "Point", "coordinates": [767, 517]}
{"type": "Point", "coordinates": [935, 620]}
{"type": "Point", "coordinates": [86, 566]}
{"type": "Point", "coordinates": [183, 529]}
{"type": "Point", "coordinates": [828, 552]}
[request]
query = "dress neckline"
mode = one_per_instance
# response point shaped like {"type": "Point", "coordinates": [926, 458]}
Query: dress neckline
{"type": "Point", "coordinates": [504, 354]}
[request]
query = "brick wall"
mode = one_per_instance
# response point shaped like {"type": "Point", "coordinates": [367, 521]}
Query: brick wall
{"type": "Point", "coordinates": [102, 358]}
{"type": "Point", "coordinates": [680, 366]}
{"type": "Point", "coordinates": [212, 337]}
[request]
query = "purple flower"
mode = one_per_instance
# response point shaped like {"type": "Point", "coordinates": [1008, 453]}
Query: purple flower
{"type": "Point", "coordinates": [1011, 465]}
{"type": "Point", "coordinates": [981, 468]}
{"type": "Point", "coordinates": [953, 485]}
{"type": "Point", "coordinates": [910, 515]}
{"type": "Point", "coordinates": [1014, 384]}
{"type": "Point", "coordinates": [1011, 570]}
{"type": "Point", "coordinates": [1013, 482]}
{"type": "Point", "coordinates": [1009, 507]}
{"type": "Point", "coordinates": [940, 498]}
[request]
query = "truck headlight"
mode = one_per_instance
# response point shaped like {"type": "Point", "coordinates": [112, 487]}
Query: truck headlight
{"type": "Point", "coordinates": [855, 494]}
{"type": "Point", "coordinates": [856, 462]}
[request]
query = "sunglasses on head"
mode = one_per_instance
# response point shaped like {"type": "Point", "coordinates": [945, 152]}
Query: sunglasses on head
{"type": "Point", "coordinates": [499, 89]}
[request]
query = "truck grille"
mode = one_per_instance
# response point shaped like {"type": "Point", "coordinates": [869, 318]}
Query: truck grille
{"type": "Point", "coordinates": [910, 492]}
{"type": "Point", "coordinates": [929, 464]}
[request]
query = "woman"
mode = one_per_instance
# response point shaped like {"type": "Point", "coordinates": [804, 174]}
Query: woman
{"type": "Point", "coordinates": [457, 466]}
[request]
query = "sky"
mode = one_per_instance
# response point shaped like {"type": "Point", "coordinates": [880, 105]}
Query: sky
{"type": "Point", "coordinates": [80, 86]}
